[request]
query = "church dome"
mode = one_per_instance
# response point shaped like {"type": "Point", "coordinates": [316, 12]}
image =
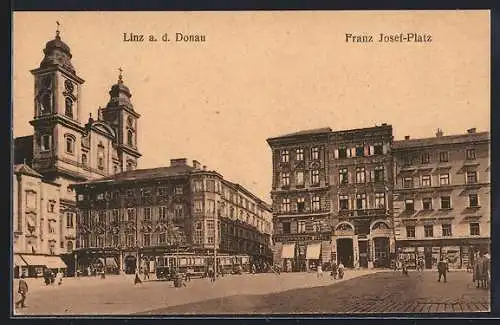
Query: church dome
{"type": "Point", "coordinates": [120, 94]}
{"type": "Point", "coordinates": [56, 52]}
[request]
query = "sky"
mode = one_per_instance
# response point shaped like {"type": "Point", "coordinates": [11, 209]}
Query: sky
{"type": "Point", "coordinates": [263, 74]}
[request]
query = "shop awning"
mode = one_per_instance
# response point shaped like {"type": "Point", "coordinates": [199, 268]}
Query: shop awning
{"type": "Point", "coordinates": [313, 251]}
{"type": "Point", "coordinates": [55, 262]}
{"type": "Point", "coordinates": [288, 250]}
{"type": "Point", "coordinates": [35, 260]}
{"type": "Point", "coordinates": [18, 261]}
{"type": "Point", "coordinates": [110, 261]}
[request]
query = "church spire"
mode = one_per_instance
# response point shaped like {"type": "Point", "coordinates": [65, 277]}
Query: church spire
{"type": "Point", "coordinates": [57, 29]}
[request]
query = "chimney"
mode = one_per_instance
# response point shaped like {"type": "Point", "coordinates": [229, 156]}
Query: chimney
{"type": "Point", "coordinates": [204, 167]}
{"type": "Point", "coordinates": [196, 164]}
{"type": "Point", "coordinates": [384, 124]}
{"type": "Point", "coordinates": [439, 133]}
{"type": "Point", "coordinates": [178, 162]}
{"type": "Point", "coordinates": [407, 137]}
{"type": "Point", "coordinates": [471, 131]}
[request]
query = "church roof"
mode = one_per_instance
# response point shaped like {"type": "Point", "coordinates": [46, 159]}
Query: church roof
{"type": "Point", "coordinates": [57, 53]}
{"type": "Point", "coordinates": [26, 170]}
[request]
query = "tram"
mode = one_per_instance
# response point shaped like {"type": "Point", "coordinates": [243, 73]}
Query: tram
{"type": "Point", "coordinates": [197, 265]}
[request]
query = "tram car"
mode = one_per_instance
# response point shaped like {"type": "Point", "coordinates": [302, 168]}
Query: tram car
{"type": "Point", "coordinates": [194, 265]}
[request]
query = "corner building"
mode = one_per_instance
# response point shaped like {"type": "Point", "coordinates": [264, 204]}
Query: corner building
{"type": "Point", "coordinates": [132, 218]}
{"type": "Point", "coordinates": [330, 197]}
{"type": "Point", "coordinates": [65, 148]}
{"type": "Point", "coordinates": [442, 197]}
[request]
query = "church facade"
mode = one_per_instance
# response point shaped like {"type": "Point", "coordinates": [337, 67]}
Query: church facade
{"type": "Point", "coordinates": [65, 148]}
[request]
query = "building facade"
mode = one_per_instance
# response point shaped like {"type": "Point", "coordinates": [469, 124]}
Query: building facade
{"type": "Point", "coordinates": [137, 216]}
{"type": "Point", "coordinates": [442, 197]}
{"type": "Point", "coordinates": [65, 147]}
{"type": "Point", "coordinates": [330, 197]}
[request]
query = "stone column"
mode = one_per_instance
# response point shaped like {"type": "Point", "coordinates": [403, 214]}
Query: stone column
{"type": "Point", "coordinates": [370, 252]}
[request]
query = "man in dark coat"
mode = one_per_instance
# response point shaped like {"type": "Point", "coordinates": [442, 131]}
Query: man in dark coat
{"type": "Point", "coordinates": [442, 269]}
{"type": "Point", "coordinates": [23, 291]}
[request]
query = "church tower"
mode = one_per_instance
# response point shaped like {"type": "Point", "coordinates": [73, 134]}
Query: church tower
{"type": "Point", "coordinates": [120, 114]}
{"type": "Point", "coordinates": [57, 113]}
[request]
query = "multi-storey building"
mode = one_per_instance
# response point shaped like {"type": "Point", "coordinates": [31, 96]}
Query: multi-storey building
{"type": "Point", "coordinates": [361, 185]}
{"type": "Point", "coordinates": [442, 197]}
{"type": "Point", "coordinates": [37, 223]}
{"type": "Point", "coordinates": [330, 197]}
{"type": "Point", "coordinates": [65, 147]}
{"type": "Point", "coordinates": [142, 214]}
{"type": "Point", "coordinates": [301, 198]}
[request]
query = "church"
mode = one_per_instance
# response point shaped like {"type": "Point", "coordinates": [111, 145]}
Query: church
{"type": "Point", "coordinates": [65, 148]}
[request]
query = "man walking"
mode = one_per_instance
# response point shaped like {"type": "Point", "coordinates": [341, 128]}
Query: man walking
{"type": "Point", "coordinates": [23, 291]}
{"type": "Point", "coordinates": [442, 269]}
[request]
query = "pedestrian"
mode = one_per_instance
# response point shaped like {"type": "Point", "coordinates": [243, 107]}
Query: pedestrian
{"type": "Point", "coordinates": [334, 270]}
{"type": "Point", "coordinates": [137, 279]}
{"type": "Point", "coordinates": [442, 268]}
{"type": "Point", "coordinates": [59, 277]}
{"type": "Point", "coordinates": [319, 271]}
{"type": "Point", "coordinates": [23, 291]}
{"type": "Point", "coordinates": [404, 267]}
{"type": "Point", "coordinates": [341, 270]}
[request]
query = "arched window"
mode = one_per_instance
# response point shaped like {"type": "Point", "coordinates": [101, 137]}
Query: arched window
{"type": "Point", "coordinates": [130, 138]}
{"type": "Point", "coordinates": [69, 107]}
{"type": "Point", "coordinates": [100, 160]}
{"type": "Point", "coordinates": [70, 144]}
{"type": "Point", "coordinates": [45, 103]}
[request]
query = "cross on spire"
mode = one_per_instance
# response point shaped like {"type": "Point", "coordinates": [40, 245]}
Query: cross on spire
{"type": "Point", "coordinates": [120, 76]}
{"type": "Point", "coordinates": [57, 30]}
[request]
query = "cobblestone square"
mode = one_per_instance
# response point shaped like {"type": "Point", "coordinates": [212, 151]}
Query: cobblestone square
{"type": "Point", "coordinates": [361, 291]}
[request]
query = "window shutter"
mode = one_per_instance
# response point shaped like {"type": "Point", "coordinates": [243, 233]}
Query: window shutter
{"type": "Point", "coordinates": [372, 150]}
{"type": "Point", "coordinates": [353, 152]}
{"type": "Point", "coordinates": [366, 150]}
{"type": "Point", "coordinates": [336, 153]}
{"type": "Point", "coordinates": [385, 148]}
{"type": "Point", "coordinates": [372, 175]}
{"type": "Point", "coordinates": [348, 152]}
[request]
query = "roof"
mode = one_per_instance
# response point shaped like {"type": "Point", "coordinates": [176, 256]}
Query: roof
{"type": "Point", "coordinates": [305, 132]}
{"type": "Point", "coordinates": [144, 174]}
{"type": "Point", "coordinates": [442, 140]}
{"type": "Point", "coordinates": [26, 170]}
{"type": "Point", "coordinates": [23, 149]}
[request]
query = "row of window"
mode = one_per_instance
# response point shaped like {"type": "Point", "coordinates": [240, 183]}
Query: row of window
{"type": "Point", "coordinates": [149, 213]}
{"type": "Point", "coordinates": [445, 203]}
{"type": "Point", "coordinates": [302, 227]}
{"type": "Point", "coordinates": [446, 230]}
{"type": "Point", "coordinates": [144, 192]}
{"type": "Point", "coordinates": [299, 154]}
{"type": "Point", "coordinates": [315, 204]}
{"type": "Point", "coordinates": [215, 187]}
{"type": "Point", "coordinates": [299, 178]}
{"type": "Point", "coordinates": [425, 157]}
{"type": "Point", "coordinates": [444, 179]}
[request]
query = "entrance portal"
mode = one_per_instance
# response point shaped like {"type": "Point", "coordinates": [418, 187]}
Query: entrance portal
{"type": "Point", "coordinates": [130, 264]}
{"type": "Point", "coordinates": [382, 249]}
{"type": "Point", "coordinates": [363, 253]}
{"type": "Point", "coordinates": [345, 252]}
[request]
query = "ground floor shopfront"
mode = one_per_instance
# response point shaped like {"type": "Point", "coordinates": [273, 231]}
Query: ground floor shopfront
{"type": "Point", "coordinates": [91, 261]}
{"type": "Point", "coordinates": [459, 252]}
{"type": "Point", "coordinates": [33, 265]}
{"type": "Point", "coordinates": [373, 249]}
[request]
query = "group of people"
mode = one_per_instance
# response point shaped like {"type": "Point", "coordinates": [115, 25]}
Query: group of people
{"type": "Point", "coordinates": [337, 270]}
{"type": "Point", "coordinates": [50, 277]}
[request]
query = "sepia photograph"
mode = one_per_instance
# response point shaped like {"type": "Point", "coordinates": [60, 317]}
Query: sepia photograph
{"type": "Point", "coordinates": [250, 163]}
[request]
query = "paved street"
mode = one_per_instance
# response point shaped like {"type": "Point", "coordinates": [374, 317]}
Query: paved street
{"type": "Point", "coordinates": [360, 292]}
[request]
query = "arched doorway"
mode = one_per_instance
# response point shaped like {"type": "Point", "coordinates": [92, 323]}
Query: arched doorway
{"type": "Point", "coordinates": [345, 251]}
{"type": "Point", "coordinates": [382, 249]}
{"type": "Point", "coordinates": [130, 264]}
